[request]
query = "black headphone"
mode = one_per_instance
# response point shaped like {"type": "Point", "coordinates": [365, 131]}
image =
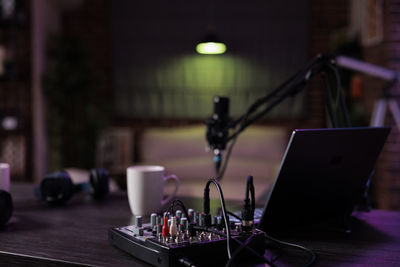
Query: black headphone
{"type": "Point", "coordinates": [6, 207]}
{"type": "Point", "coordinates": [58, 187]}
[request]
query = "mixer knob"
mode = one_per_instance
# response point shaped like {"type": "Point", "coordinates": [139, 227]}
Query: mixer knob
{"type": "Point", "coordinates": [138, 221]}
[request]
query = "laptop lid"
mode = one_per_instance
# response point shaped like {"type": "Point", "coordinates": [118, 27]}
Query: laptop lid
{"type": "Point", "coordinates": [322, 175]}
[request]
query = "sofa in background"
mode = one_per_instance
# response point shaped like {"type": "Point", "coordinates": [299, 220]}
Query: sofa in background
{"type": "Point", "coordinates": [183, 151]}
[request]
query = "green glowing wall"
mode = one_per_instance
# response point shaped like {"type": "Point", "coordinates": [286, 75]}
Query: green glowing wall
{"type": "Point", "coordinates": [157, 74]}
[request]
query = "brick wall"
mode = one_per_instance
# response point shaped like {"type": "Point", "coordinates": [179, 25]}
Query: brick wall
{"type": "Point", "coordinates": [15, 93]}
{"type": "Point", "coordinates": [82, 58]}
{"type": "Point", "coordinates": [89, 22]}
{"type": "Point", "coordinates": [326, 17]}
{"type": "Point", "coordinates": [387, 54]}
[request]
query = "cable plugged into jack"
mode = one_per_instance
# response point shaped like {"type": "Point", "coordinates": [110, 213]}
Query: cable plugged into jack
{"type": "Point", "coordinates": [224, 211]}
{"type": "Point", "coordinates": [248, 206]}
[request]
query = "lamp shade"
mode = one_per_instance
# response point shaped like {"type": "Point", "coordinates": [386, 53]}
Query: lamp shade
{"type": "Point", "coordinates": [210, 45]}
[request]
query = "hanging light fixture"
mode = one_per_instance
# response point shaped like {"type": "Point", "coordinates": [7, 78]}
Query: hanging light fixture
{"type": "Point", "coordinates": [210, 45]}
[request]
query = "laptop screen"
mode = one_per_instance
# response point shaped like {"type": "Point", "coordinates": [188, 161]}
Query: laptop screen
{"type": "Point", "coordinates": [322, 175]}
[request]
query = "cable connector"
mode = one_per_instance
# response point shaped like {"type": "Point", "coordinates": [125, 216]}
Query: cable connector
{"type": "Point", "coordinates": [192, 229]}
{"type": "Point", "coordinates": [165, 229]}
{"type": "Point", "coordinates": [247, 216]}
{"type": "Point", "coordinates": [248, 208]}
{"type": "Point", "coordinates": [207, 220]}
{"type": "Point", "coordinates": [173, 229]}
{"type": "Point", "coordinates": [206, 205]}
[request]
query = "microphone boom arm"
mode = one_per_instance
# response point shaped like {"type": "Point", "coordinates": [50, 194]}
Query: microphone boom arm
{"type": "Point", "coordinates": [294, 85]}
{"type": "Point", "coordinates": [321, 64]}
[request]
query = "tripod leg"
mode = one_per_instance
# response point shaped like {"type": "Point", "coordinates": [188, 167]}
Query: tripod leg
{"type": "Point", "coordinates": [394, 107]}
{"type": "Point", "coordinates": [378, 115]}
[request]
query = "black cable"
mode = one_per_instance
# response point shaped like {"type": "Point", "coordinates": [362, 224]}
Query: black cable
{"type": "Point", "coordinates": [304, 75]}
{"type": "Point", "coordinates": [239, 249]}
{"type": "Point", "coordinates": [228, 155]}
{"type": "Point", "coordinates": [248, 182]}
{"type": "Point", "coordinates": [206, 206]}
{"type": "Point", "coordinates": [180, 203]}
{"type": "Point", "coordinates": [340, 98]}
{"type": "Point", "coordinates": [242, 127]}
{"type": "Point", "coordinates": [244, 245]}
{"type": "Point", "coordinates": [290, 91]}
{"type": "Point", "coordinates": [313, 255]}
{"type": "Point", "coordinates": [248, 206]}
{"type": "Point", "coordinates": [242, 120]}
{"type": "Point", "coordinates": [292, 86]}
{"type": "Point", "coordinates": [223, 207]}
{"type": "Point", "coordinates": [233, 215]}
{"type": "Point", "coordinates": [328, 99]}
{"type": "Point", "coordinates": [301, 73]}
{"type": "Point", "coordinates": [253, 196]}
{"type": "Point", "coordinates": [206, 200]}
{"type": "Point", "coordinates": [255, 253]}
{"type": "Point", "coordinates": [263, 100]}
{"type": "Point", "coordinates": [309, 251]}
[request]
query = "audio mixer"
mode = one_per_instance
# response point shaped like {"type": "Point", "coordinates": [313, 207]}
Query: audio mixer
{"type": "Point", "coordinates": [171, 240]}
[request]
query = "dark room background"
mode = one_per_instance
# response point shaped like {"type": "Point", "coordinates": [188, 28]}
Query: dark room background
{"type": "Point", "coordinates": [156, 72]}
{"type": "Point", "coordinates": [141, 69]}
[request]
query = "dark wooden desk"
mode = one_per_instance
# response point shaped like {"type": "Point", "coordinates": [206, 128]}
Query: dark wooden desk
{"type": "Point", "coordinates": [76, 234]}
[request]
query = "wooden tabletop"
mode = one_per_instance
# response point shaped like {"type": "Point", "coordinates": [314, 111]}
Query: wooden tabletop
{"type": "Point", "coordinates": [76, 234]}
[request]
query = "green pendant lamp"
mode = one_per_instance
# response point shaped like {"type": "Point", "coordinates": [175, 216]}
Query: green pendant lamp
{"type": "Point", "coordinates": [210, 45]}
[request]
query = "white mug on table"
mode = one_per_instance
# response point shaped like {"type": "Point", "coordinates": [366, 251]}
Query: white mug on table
{"type": "Point", "coordinates": [5, 177]}
{"type": "Point", "coordinates": [145, 186]}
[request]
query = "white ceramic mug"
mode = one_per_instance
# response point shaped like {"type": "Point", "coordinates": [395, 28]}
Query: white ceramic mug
{"type": "Point", "coordinates": [5, 176]}
{"type": "Point", "coordinates": [145, 186]}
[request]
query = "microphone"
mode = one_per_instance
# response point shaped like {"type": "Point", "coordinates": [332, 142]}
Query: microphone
{"type": "Point", "coordinates": [217, 129]}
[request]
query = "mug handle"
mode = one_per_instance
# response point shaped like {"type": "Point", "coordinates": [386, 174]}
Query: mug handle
{"type": "Point", "coordinates": [166, 178]}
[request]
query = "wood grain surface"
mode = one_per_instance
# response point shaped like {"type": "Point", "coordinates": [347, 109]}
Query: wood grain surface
{"type": "Point", "coordinates": [76, 235]}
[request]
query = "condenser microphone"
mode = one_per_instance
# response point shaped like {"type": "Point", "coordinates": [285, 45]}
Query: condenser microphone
{"type": "Point", "coordinates": [217, 129]}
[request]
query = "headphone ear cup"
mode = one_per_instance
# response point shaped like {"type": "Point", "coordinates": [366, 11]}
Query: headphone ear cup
{"type": "Point", "coordinates": [100, 183]}
{"type": "Point", "coordinates": [6, 207]}
{"type": "Point", "coordinates": [56, 187]}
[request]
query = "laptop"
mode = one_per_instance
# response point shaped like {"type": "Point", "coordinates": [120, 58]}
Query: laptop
{"type": "Point", "coordinates": [322, 175]}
